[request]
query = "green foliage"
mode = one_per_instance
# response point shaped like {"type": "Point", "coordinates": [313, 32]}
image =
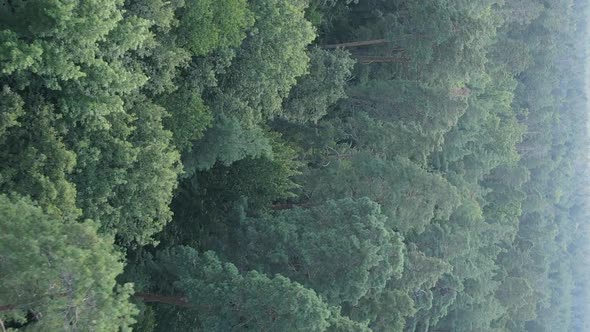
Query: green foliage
{"type": "Point", "coordinates": [419, 113]}
{"type": "Point", "coordinates": [410, 196]}
{"type": "Point", "coordinates": [357, 165]}
{"type": "Point", "coordinates": [11, 108]}
{"type": "Point", "coordinates": [64, 273]}
{"type": "Point", "coordinates": [188, 117]}
{"type": "Point", "coordinates": [226, 142]}
{"type": "Point", "coordinates": [146, 319]}
{"type": "Point", "coordinates": [206, 25]}
{"type": "Point", "coordinates": [340, 323]}
{"type": "Point", "coordinates": [17, 55]}
{"type": "Point", "coordinates": [124, 170]}
{"type": "Point", "coordinates": [273, 178]}
{"type": "Point", "coordinates": [205, 199]}
{"type": "Point", "coordinates": [307, 247]}
{"type": "Point", "coordinates": [86, 118]}
{"type": "Point", "coordinates": [221, 298]}
{"type": "Point", "coordinates": [35, 160]}
{"type": "Point", "coordinates": [315, 92]}
{"type": "Point", "coordinates": [386, 311]}
{"type": "Point", "coordinates": [269, 60]}
{"type": "Point", "coordinates": [65, 38]}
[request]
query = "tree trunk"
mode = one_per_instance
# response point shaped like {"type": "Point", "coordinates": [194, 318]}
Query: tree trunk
{"type": "Point", "coordinates": [7, 307]}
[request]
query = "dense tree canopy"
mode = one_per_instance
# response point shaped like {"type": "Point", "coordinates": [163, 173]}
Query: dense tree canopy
{"type": "Point", "coordinates": [294, 165]}
{"type": "Point", "coordinates": [61, 275]}
{"type": "Point", "coordinates": [307, 246]}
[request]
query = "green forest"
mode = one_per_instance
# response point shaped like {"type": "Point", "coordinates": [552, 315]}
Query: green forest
{"type": "Point", "coordinates": [294, 165]}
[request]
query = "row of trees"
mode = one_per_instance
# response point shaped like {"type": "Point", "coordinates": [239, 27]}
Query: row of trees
{"type": "Point", "coordinates": [301, 165]}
